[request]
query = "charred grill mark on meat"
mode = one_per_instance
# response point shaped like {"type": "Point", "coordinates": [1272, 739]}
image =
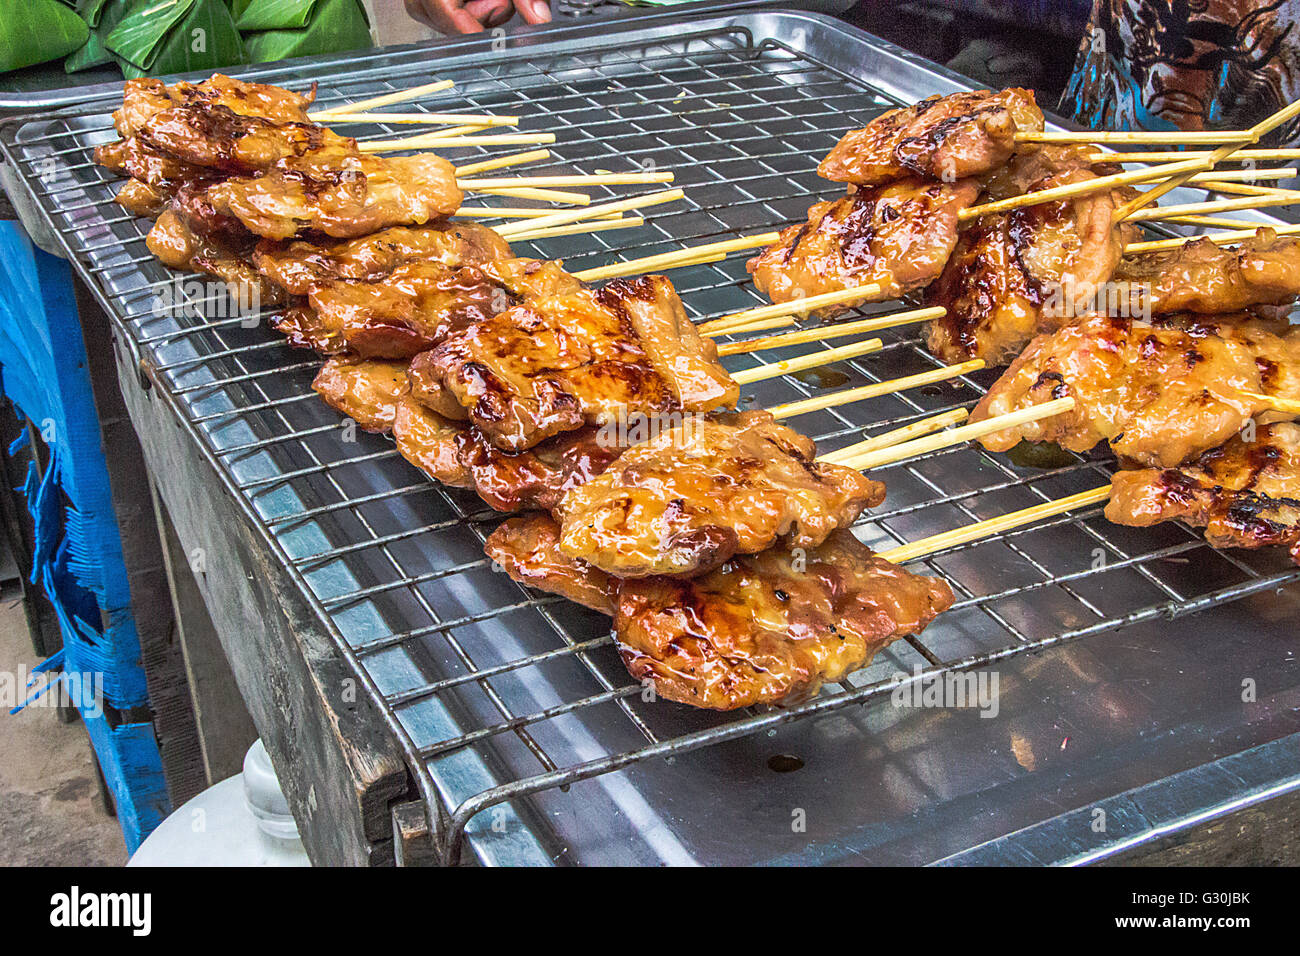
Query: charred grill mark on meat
{"type": "Point", "coordinates": [1160, 393]}
{"type": "Point", "coordinates": [944, 138]}
{"type": "Point", "coordinates": [688, 499]}
{"type": "Point", "coordinates": [898, 236]}
{"type": "Point", "coordinates": [1246, 493]}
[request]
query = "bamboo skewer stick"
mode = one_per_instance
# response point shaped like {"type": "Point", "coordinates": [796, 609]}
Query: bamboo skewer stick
{"type": "Point", "coordinates": [1288, 406]}
{"type": "Point", "coordinates": [1243, 175]}
{"type": "Point", "coordinates": [1218, 238]}
{"type": "Point", "coordinates": [593, 212]}
{"type": "Point", "coordinates": [1213, 221]}
{"type": "Point", "coordinates": [875, 389]}
{"type": "Point", "coordinates": [1286, 198]}
{"type": "Point", "coordinates": [425, 119]}
{"type": "Point", "coordinates": [992, 526]}
{"type": "Point", "coordinates": [540, 195]}
{"type": "Point", "coordinates": [1173, 156]}
{"type": "Point", "coordinates": [387, 99]}
{"type": "Point", "coordinates": [413, 142]}
{"type": "Point", "coordinates": [1219, 155]}
{"type": "Point", "coordinates": [500, 162]}
{"type": "Point", "coordinates": [749, 376]}
{"type": "Point", "coordinates": [606, 179]}
{"type": "Point", "coordinates": [898, 435]}
{"type": "Point", "coordinates": [751, 317]}
{"type": "Point", "coordinates": [580, 227]}
{"type": "Point", "coordinates": [822, 332]}
{"type": "Point", "coordinates": [1207, 137]}
{"type": "Point", "coordinates": [442, 139]}
{"type": "Point", "coordinates": [959, 435]}
{"type": "Point", "coordinates": [677, 258]}
{"type": "Point", "coordinates": [1074, 190]}
{"type": "Point", "coordinates": [516, 212]}
{"type": "Point", "coordinates": [1237, 189]}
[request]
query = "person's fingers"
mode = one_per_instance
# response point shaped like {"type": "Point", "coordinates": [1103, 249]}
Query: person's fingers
{"type": "Point", "coordinates": [534, 11]}
{"type": "Point", "coordinates": [491, 13]}
{"type": "Point", "coordinates": [446, 16]}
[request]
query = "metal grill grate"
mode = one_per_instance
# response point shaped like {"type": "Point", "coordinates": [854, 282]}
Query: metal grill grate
{"type": "Point", "coordinates": [504, 694]}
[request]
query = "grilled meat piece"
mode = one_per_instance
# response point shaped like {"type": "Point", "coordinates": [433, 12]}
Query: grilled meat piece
{"type": "Point", "coordinates": [340, 194]}
{"type": "Point", "coordinates": [216, 137]}
{"type": "Point", "coordinates": [135, 158]}
{"type": "Point", "coordinates": [301, 266]}
{"type": "Point", "coordinates": [1026, 271]}
{"type": "Point", "coordinates": [411, 310]}
{"type": "Point", "coordinates": [1245, 494]}
{"type": "Point", "coordinates": [690, 498]}
{"type": "Point", "coordinates": [1160, 392]}
{"type": "Point", "coordinates": [365, 391]}
{"type": "Point", "coordinates": [1199, 276]}
{"type": "Point", "coordinates": [414, 307]}
{"type": "Point", "coordinates": [143, 98]}
{"type": "Point", "coordinates": [583, 357]}
{"type": "Point", "coordinates": [141, 200]}
{"type": "Point", "coordinates": [179, 247]}
{"type": "Point", "coordinates": [428, 441]}
{"type": "Point", "coordinates": [943, 137]}
{"type": "Point", "coordinates": [898, 236]}
{"type": "Point", "coordinates": [539, 477]}
{"type": "Point", "coordinates": [770, 628]}
{"type": "Point", "coordinates": [526, 548]}
{"type": "Point", "coordinates": [304, 329]}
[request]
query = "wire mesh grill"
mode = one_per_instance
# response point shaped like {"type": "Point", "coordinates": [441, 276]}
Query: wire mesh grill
{"type": "Point", "coordinates": [504, 693]}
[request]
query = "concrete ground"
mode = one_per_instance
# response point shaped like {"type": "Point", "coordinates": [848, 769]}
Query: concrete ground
{"type": "Point", "coordinates": [50, 809]}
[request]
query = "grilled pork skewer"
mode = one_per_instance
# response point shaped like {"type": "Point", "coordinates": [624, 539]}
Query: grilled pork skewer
{"type": "Point", "coordinates": [690, 498]}
{"type": "Point", "coordinates": [1202, 277]}
{"type": "Point", "coordinates": [1029, 270]}
{"type": "Point", "coordinates": [896, 236]}
{"type": "Point", "coordinates": [1245, 494]}
{"type": "Point", "coordinates": [1160, 393]}
{"type": "Point", "coordinates": [941, 138]}
{"type": "Point", "coordinates": [764, 629]}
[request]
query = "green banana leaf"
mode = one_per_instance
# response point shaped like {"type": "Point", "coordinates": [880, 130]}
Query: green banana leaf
{"type": "Point", "coordinates": [176, 36]}
{"type": "Point", "coordinates": [237, 8]}
{"type": "Point", "coordinates": [324, 26]}
{"type": "Point", "coordinates": [36, 31]}
{"type": "Point", "coordinates": [276, 14]}
{"type": "Point", "coordinates": [103, 16]}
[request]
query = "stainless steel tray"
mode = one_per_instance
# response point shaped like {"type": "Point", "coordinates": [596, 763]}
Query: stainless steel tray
{"type": "Point", "coordinates": [522, 728]}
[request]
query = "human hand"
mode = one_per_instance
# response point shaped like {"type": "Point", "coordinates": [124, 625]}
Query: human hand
{"type": "Point", "coordinates": [473, 16]}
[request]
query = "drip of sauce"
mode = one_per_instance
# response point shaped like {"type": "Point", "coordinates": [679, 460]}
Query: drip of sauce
{"type": "Point", "coordinates": [822, 377]}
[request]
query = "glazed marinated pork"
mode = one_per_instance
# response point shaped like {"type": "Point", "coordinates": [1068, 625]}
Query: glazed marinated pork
{"type": "Point", "coordinates": [368, 392]}
{"type": "Point", "coordinates": [584, 357]}
{"type": "Point", "coordinates": [771, 628]}
{"type": "Point", "coordinates": [1028, 270]}
{"type": "Point", "coordinates": [300, 266]}
{"type": "Point", "coordinates": [428, 441]}
{"type": "Point", "coordinates": [1160, 393]}
{"type": "Point", "coordinates": [944, 137]}
{"type": "Point", "coordinates": [1246, 494]}
{"type": "Point", "coordinates": [219, 138]}
{"type": "Point", "coordinates": [527, 549]}
{"type": "Point", "coordinates": [143, 98]}
{"type": "Point", "coordinates": [768, 628]}
{"type": "Point", "coordinates": [1200, 276]}
{"type": "Point", "coordinates": [898, 236]}
{"type": "Point", "coordinates": [178, 246]}
{"type": "Point", "coordinates": [689, 498]}
{"type": "Point", "coordinates": [340, 194]}
{"type": "Point", "coordinates": [536, 479]}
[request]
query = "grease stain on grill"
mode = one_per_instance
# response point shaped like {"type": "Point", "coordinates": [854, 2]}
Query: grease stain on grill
{"type": "Point", "coordinates": [784, 763]}
{"type": "Point", "coordinates": [822, 377]}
